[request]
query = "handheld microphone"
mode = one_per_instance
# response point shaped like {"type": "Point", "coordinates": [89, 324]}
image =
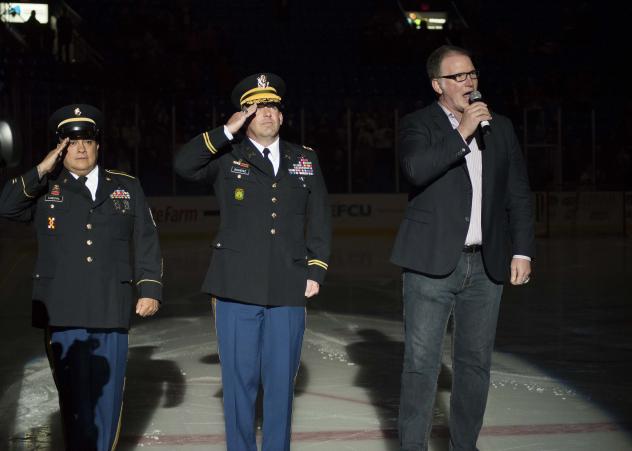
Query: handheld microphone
{"type": "Point", "coordinates": [476, 96]}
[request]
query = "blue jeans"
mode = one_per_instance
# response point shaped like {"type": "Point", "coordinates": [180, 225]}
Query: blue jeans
{"type": "Point", "coordinates": [474, 300]}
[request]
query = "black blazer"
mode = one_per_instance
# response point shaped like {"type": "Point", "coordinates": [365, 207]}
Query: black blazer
{"type": "Point", "coordinates": [275, 231]}
{"type": "Point", "coordinates": [435, 224]}
{"type": "Point", "coordinates": [92, 255]}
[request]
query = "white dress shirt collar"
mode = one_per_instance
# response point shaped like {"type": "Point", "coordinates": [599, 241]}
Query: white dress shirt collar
{"type": "Point", "coordinates": [274, 152]}
{"type": "Point", "coordinates": [93, 180]}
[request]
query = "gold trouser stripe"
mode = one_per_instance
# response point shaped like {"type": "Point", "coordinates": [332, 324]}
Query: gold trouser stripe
{"type": "Point", "coordinates": [320, 263]}
{"type": "Point", "coordinates": [76, 119]}
{"type": "Point", "coordinates": [120, 422]}
{"type": "Point", "coordinates": [49, 352]}
{"type": "Point", "coordinates": [298, 367]}
{"type": "Point", "coordinates": [48, 342]}
{"type": "Point", "coordinates": [149, 280]}
{"type": "Point", "coordinates": [209, 144]}
{"type": "Point", "coordinates": [24, 188]}
{"type": "Point", "coordinates": [214, 308]}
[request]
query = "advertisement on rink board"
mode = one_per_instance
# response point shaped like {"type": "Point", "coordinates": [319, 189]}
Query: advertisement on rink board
{"type": "Point", "coordinates": [351, 214]}
{"type": "Point", "coordinates": [356, 219]}
{"type": "Point", "coordinates": [604, 212]}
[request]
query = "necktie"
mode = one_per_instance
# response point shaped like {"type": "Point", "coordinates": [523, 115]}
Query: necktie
{"type": "Point", "coordinates": [266, 157]}
{"type": "Point", "coordinates": [82, 180]}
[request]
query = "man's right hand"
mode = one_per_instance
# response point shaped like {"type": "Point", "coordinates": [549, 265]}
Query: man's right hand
{"type": "Point", "coordinates": [473, 115]}
{"type": "Point", "coordinates": [50, 161]}
{"type": "Point", "coordinates": [238, 119]}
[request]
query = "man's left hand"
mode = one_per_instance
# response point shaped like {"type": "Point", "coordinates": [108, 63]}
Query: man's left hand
{"type": "Point", "coordinates": [147, 306]}
{"type": "Point", "coordinates": [520, 271]}
{"type": "Point", "coordinates": [311, 289]}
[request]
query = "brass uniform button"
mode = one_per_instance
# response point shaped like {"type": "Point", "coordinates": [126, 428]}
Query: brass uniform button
{"type": "Point", "coordinates": [274, 215]}
{"type": "Point", "coordinates": [89, 259]}
{"type": "Point", "coordinates": [89, 242]}
{"type": "Point", "coordinates": [274, 199]}
{"type": "Point", "coordinates": [89, 226]}
{"type": "Point", "coordinates": [273, 231]}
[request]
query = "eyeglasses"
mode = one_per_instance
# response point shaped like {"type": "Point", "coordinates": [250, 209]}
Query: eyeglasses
{"type": "Point", "coordinates": [461, 76]}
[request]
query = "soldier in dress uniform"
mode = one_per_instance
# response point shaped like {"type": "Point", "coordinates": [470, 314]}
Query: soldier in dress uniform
{"type": "Point", "coordinates": [270, 255]}
{"type": "Point", "coordinates": [98, 247]}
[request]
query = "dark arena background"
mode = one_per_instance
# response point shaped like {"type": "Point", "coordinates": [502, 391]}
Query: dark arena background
{"type": "Point", "coordinates": [162, 72]}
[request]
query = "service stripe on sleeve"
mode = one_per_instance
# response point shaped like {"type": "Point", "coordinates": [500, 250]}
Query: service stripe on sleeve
{"type": "Point", "coordinates": [209, 144]}
{"type": "Point", "coordinates": [320, 263]}
{"type": "Point", "coordinates": [149, 280]}
{"type": "Point", "coordinates": [24, 189]}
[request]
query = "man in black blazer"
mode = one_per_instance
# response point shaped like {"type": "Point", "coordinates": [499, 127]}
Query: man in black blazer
{"type": "Point", "coordinates": [269, 256]}
{"type": "Point", "coordinates": [468, 224]}
{"type": "Point", "coordinates": [97, 249]}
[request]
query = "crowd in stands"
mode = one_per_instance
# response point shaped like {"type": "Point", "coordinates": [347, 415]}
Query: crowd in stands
{"type": "Point", "coordinates": [163, 71]}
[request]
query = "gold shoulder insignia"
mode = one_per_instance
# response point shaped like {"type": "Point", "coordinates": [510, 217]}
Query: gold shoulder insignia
{"type": "Point", "coordinates": [308, 148]}
{"type": "Point", "coordinates": [111, 171]}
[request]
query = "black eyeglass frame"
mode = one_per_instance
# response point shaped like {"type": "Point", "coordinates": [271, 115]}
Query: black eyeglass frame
{"type": "Point", "coordinates": [462, 76]}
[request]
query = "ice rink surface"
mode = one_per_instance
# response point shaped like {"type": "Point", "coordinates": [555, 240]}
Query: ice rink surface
{"type": "Point", "coordinates": [561, 375]}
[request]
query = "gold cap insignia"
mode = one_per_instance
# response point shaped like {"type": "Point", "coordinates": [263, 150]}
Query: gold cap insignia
{"type": "Point", "coordinates": [262, 81]}
{"type": "Point", "coordinates": [78, 112]}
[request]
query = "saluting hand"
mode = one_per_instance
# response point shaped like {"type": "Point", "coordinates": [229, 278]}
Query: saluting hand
{"type": "Point", "coordinates": [147, 306]}
{"type": "Point", "coordinates": [50, 161]}
{"type": "Point", "coordinates": [237, 120]}
{"type": "Point", "coordinates": [311, 289]}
